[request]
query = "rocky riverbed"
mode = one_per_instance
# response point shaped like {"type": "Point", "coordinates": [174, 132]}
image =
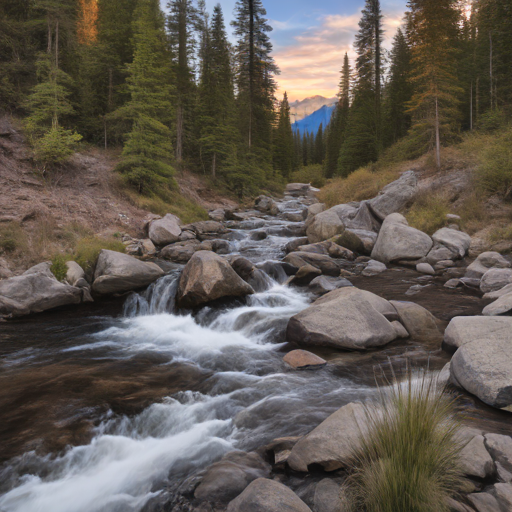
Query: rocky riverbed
{"type": "Point", "coordinates": [234, 381]}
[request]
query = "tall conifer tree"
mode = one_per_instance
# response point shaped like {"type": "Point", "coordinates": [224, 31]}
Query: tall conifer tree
{"type": "Point", "coordinates": [283, 141]}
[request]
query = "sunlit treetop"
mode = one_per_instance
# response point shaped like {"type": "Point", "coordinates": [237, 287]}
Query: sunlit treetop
{"type": "Point", "coordinates": [87, 22]}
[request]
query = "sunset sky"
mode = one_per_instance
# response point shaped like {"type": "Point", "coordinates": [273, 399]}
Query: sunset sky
{"type": "Point", "coordinates": [310, 38]}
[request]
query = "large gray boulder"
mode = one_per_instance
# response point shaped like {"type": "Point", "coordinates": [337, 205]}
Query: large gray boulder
{"type": "Point", "coordinates": [322, 262]}
{"type": "Point", "coordinates": [475, 460]}
{"type": "Point", "coordinates": [208, 277]}
{"type": "Point", "coordinates": [484, 367]}
{"type": "Point", "coordinates": [502, 306]}
{"type": "Point", "coordinates": [324, 226]}
{"type": "Point", "coordinates": [495, 279]}
{"type": "Point", "coordinates": [500, 447]}
{"type": "Point", "coordinates": [499, 293]}
{"type": "Point", "coordinates": [363, 219]}
{"type": "Point", "coordinates": [118, 273]}
{"type": "Point", "coordinates": [484, 262]}
{"type": "Point", "coordinates": [226, 479]}
{"type": "Point", "coordinates": [35, 292]}
{"type": "Point", "coordinates": [469, 329]}
{"type": "Point", "coordinates": [344, 319]}
{"type": "Point", "coordinates": [397, 241]}
{"type": "Point", "coordinates": [456, 241]}
{"type": "Point", "coordinates": [264, 495]}
{"type": "Point", "coordinates": [180, 252]}
{"type": "Point", "coordinates": [332, 443]}
{"type": "Point", "coordinates": [419, 322]}
{"type": "Point", "coordinates": [165, 231]}
{"type": "Point", "coordinates": [395, 196]}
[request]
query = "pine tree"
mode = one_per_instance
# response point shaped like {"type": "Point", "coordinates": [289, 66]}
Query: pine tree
{"type": "Point", "coordinates": [218, 135]}
{"type": "Point", "coordinates": [433, 31]}
{"type": "Point", "coordinates": [363, 143]}
{"type": "Point", "coordinates": [398, 91]}
{"type": "Point", "coordinates": [255, 82]}
{"type": "Point", "coordinates": [319, 146]}
{"type": "Point", "coordinates": [147, 153]}
{"type": "Point", "coordinates": [338, 124]}
{"type": "Point", "coordinates": [283, 141]}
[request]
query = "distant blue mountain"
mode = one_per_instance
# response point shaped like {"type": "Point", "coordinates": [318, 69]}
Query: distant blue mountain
{"type": "Point", "coordinates": [312, 123]}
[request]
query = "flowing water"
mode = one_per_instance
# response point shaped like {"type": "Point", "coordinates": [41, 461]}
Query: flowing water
{"type": "Point", "coordinates": [115, 408]}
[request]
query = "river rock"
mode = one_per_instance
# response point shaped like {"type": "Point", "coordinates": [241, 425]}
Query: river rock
{"type": "Point", "coordinates": [303, 359]}
{"type": "Point", "coordinates": [401, 331]}
{"type": "Point", "coordinates": [217, 246]}
{"type": "Point", "coordinates": [495, 279]}
{"type": "Point", "coordinates": [324, 226]}
{"type": "Point", "coordinates": [358, 240]}
{"type": "Point", "coordinates": [226, 479]}
{"type": "Point", "coordinates": [34, 293]}
{"type": "Point", "coordinates": [362, 219]}
{"type": "Point", "coordinates": [324, 263]}
{"type": "Point", "coordinates": [264, 204]}
{"type": "Point", "coordinates": [419, 322]}
{"type": "Point", "coordinates": [218, 215]}
{"type": "Point", "coordinates": [498, 293]}
{"type": "Point", "coordinates": [264, 495]}
{"type": "Point", "coordinates": [314, 210]}
{"type": "Point", "coordinates": [180, 252]}
{"type": "Point", "coordinates": [206, 229]}
{"type": "Point", "coordinates": [294, 245]}
{"type": "Point", "coordinates": [457, 241]}
{"type": "Point", "coordinates": [374, 268]}
{"type": "Point", "coordinates": [208, 277]}
{"type": "Point", "coordinates": [502, 306]}
{"type": "Point", "coordinates": [440, 253]}
{"type": "Point", "coordinates": [42, 269]}
{"type": "Point", "coordinates": [342, 319]}
{"type": "Point", "coordinates": [500, 447]}
{"type": "Point", "coordinates": [165, 231]}
{"type": "Point", "coordinates": [395, 196]}
{"type": "Point", "coordinates": [305, 275]}
{"type": "Point", "coordinates": [484, 502]}
{"type": "Point", "coordinates": [297, 189]}
{"type": "Point", "coordinates": [322, 284]}
{"type": "Point", "coordinates": [328, 496]}
{"type": "Point", "coordinates": [484, 262]}
{"type": "Point", "coordinates": [118, 273]}
{"type": "Point", "coordinates": [503, 494]}
{"type": "Point", "coordinates": [425, 268]}
{"type": "Point", "coordinates": [75, 275]}
{"type": "Point", "coordinates": [398, 241]}
{"type": "Point", "coordinates": [475, 460]}
{"type": "Point", "coordinates": [484, 368]}
{"type": "Point", "coordinates": [332, 443]}
{"type": "Point", "coordinates": [469, 329]}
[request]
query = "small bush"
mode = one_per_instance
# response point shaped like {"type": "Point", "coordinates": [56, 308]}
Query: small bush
{"type": "Point", "coordinates": [12, 238]}
{"type": "Point", "coordinates": [492, 120]}
{"type": "Point", "coordinates": [313, 174]}
{"type": "Point", "coordinates": [428, 213]}
{"type": "Point", "coordinates": [358, 186]}
{"type": "Point", "coordinates": [56, 146]}
{"type": "Point", "coordinates": [59, 267]}
{"type": "Point", "coordinates": [88, 249]}
{"type": "Point", "coordinates": [408, 460]}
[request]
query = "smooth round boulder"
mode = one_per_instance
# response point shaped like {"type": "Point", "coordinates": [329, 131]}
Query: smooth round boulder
{"type": "Point", "coordinates": [501, 306]}
{"type": "Point", "coordinates": [398, 241]}
{"type": "Point", "coordinates": [301, 359]}
{"type": "Point", "coordinates": [165, 231]}
{"type": "Point", "coordinates": [342, 319]}
{"type": "Point", "coordinates": [484, 262]}
{"type": "Point", "coordinates": [374, 268]}
{"type": "Point", "coordinates": [208, 277]}
{"type": "Point", "coordinates": [324, 226]}
{"type": "Point", "coordinates": [457, 241]}
{"type": "Point", "coordinates": [420, 323]}
{"type": "Point", "coordinates": [395, 196]}
{"type": "Point", "coordinates": [264, 495]}
{"type": "Point", "coordinates": [425, 268]}
{"type": "Point", "coordinates": [118, 273]}
{"type": "Point", "coordinates": [180, 252]}
{"type": "Point", "coordinates": [469, 329]}
{"type": "Point", "coordinates": [495, 279]}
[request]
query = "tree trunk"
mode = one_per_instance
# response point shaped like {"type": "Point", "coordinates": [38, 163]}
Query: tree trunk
{"type": "Point", "coordinates": [438, 139]}
{"type": "Point", "coordinates": [57, 44]}
{"type": "Point", "coordinates": [214, 164]}
{"type": "Point", "coordinates": [179, 134]}
{"type": "Point", "coordinates": [182, 78]}
{"type": "Point", "coordinates": [49, 47]}
{"type": "Point", "coordinates": [251, 67]}
{"type": "Point", "coordinates": [377, 29]}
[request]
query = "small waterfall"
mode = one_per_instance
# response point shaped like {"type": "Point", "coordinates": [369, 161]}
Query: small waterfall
{"type": "Point", "coordinates": [158, 298]}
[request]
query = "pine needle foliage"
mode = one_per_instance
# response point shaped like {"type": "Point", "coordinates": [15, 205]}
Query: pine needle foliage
{"type": "Point", "coordinates": [408, 460]}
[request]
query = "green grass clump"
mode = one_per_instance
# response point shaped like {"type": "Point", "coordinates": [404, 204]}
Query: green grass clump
{"type": "Point", "coordinates": [313, 174]}
{"type": "Point", "coordinates": [408, 460]}
{"type": "Point", "coordinates": [428, 213]}
{"type": "Point", "coordinates": [12, 238]}
{"type": "Point", "coordinates": [87, 250]}
{"type": "Point", "coordinates": [59, 267]}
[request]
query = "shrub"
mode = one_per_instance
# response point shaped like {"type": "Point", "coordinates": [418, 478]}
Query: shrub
{"type": "Point", "coordinates": [408, 460]}
{"type": "Point", "coordinates": [88, 249]}
{"type": "Point", "coordinates": [56, 146]}
{"type": "Point", "coordinates": [313, 174]}
{"type": "Point", "coordinates": [12, 238]}
{"type": "Point", "coordinates": [428, 213]}
{"type": "Point", "coordinates": [59, 267]}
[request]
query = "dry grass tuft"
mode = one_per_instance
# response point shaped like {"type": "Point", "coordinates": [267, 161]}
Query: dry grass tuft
{"type": "Point", "coordinates": [428, 213]}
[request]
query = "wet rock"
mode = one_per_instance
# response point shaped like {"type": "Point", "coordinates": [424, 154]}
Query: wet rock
{"type": "Point", "coordinates": [206, 229]}
{"type": "Point", "coordinates": [502, 306]}
{"type": "Point", "coordinates": [264, 204]}
{"type": "Point", "coordinates": [258, 235]}
{"type": "Point", "coordinates": [297, 189]}
{"type": "Point", "coordinates": [180, 252]}
{"type": "Point", "coordinates": [328, 248]}
{"type": "Point", "coordinates": [305, 275]}
{"type": "Point", "coordinates": [281, 448]}
{"type": "Point", "coordinates": [322, 284]}
{"type": "Point", "coordinates": [217, 246]}
{"type": "Point", "coordinates": [331, 444]}
{"type": "Point", "coordinates": [469, 329]}
{"type": "Point", "coordinates": [295, 244]}
{"type": "Point", "coordinates": [419, 322]}
{"type": "Point", "coordinates": [279, 271]}
{"type": "Point", "coordinates": [395, 196]}
{"type": "Point", "coordinates": [187, 236]}
{"type": "Point", "coordinates": [208, 277]}
{"type": "Point", "coordinates": [484, 262]}
{"type": "Point", "coordinates": [165, 231]}
{"type": "Point", "coordinates": [484, 368]}
{"type": "Point", "coordinates": [328, 496]}
{"type": "Point", "coordinates": [35, 292]}
{"type": "Point", "coordinates": [500, 447]}
{"type": "Point", "coordinates": [425, 268]}
{"type": "Point", "coordinates": [470, 282]}
{"type": "Point", "coordinates": [314, 210]}
{"type": "Point", "coordinates": [218, 215]}
{"type": "Point", "coordinates": [475, 459]}
{"type": "Point", "coordinates": [484, 502]}
{"type": "Point", "coordinates": [324, 226]}
{"type": "Point", "coordinates": [453, 283]}
{"type": "Point", "coordinates": [398, 241]}
{"type": "Point", "coordinates": [301, 359]}
{"type": "Point", "coordinates": [118, 273]}
{"type": "Point", "coordinates": [374, 268]}
{"type": "Point", "coordinates": [294, 216]}
{"type": "Point", "coordinates": [343, 319]}
{"type": "Point", "coordinates": [264, 495]}
{"type": "Point", "coordinates": [495, 279]}
{"type": "Point", "coordinates": [457, 241]}
{"type": "Point", "coordinates": [324, 263]}
{"type": "Point", "coordinates": [226, 479]}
